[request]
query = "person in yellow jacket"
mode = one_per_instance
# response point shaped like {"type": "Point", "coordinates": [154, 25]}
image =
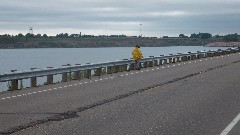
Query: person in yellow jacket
{"type": "Point", "coordinates": [137, 56]}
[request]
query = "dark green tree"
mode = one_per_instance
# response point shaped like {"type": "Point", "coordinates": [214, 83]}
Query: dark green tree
{"type": "Point", "coordinates": [28, 35]}
{"type": "Point", "coordinates": [182, 36]}
{"type": "Point", "coordinates": [45, 36]}
{"type": "Point", "coordinates": [205, 35]}
{"type": "Point", "coordinates": [20, 35]}
{"type": "Point", "coordinates": [231, 38]}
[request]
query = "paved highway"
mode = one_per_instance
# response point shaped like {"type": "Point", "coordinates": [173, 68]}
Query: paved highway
{"type": "Point", "coordinates": [198, 97]}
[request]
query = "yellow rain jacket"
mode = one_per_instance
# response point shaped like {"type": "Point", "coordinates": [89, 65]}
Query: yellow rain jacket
{"type": "Point", "coordinates": [137, 54]}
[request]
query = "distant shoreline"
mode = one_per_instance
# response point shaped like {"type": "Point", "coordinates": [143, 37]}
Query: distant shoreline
{"type": "Point", "coordinates": [224, 44]}
{"type": "Point", "coordinates": [18, 43]}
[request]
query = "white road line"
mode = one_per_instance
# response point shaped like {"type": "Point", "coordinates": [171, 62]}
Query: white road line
{"type": "Point", "coordinates": [39, 91]}
{"type": "Point", "coordinates": [147, 70]}
{"type": "Point", "coordinates": [153, 69]}
{"type": "Point", "coordinates": [106, 78]}
{"type": "Point", "coordinates": [96, 80]}
{"type": "Point", "coordinates": [60, 87]}
{"type": "Point", "coordinates": [85, 82]}
{"type": "Point", "coordinates": [231, 125]}
{"type": "Point", "coordinates": [190, 62]}
{"type": "Point", "coordinates": [162, 67]}
{"type": "Point", "coordinates": [65, 86]}
{"type": "Point", "coordinates": [158, 68]}
{"type": "Point", "coordinates": [136, 72]}
{"type": "Point", "coordinates": [174, 65]}
{"type": "Point", "coordinates": [3, 98]}
{"type": "Point", "coordinates": [131, 73]}
{"type": "Point", "coordinates": [121, 75]}
{"type": "Point", "coordinates": [13, 96]}
{"type": "Point", "coordinates": [179, 64]}
{"type": "Point", "coordinates": [142, 71]}
{"type": "Point", "coordinates": [44, 90]}
{"type": "Point", "coordinates": [21, 95]}
{"type": "Point", "coordinates": [81, 83]}
{"type": "Point", "coordinates": [29, 93]}
{"type": "Point", "coordinates": [8, 97]}
{"type": "Point", "coordinates": [126, 74]}
{"type": "Point", "coordinates": [100, 79]}
{"type": "Point", "coordinates": [75, 84]}
{"type": "Point", "coordinates": [168, 66]}
{"type": "Point", "coordinates": [34, 92]}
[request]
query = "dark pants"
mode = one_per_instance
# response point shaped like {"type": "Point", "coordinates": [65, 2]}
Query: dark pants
{"type": "Point", "coordinates": [137, 64]}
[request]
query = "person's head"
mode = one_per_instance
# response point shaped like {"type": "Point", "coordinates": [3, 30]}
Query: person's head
{"type": "Point", "coordinates": [137, 46]}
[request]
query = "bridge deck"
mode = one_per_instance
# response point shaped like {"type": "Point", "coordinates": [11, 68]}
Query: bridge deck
{"type": "Point", "coordinates": [194, 97]}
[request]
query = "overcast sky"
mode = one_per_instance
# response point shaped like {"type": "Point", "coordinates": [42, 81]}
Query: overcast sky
{"type": "Point", "coordinates": [108, 17]}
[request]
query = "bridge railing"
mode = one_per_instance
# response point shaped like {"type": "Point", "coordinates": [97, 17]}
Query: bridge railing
{"type": "Point", "coordinates": [76, 72]}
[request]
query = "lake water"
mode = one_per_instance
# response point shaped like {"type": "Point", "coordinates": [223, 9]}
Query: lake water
{"type": "Point", "coordinates": [24, 59]}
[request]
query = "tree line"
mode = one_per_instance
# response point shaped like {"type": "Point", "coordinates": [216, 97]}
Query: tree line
{"type": "Point", "coordinates": [228, 38]}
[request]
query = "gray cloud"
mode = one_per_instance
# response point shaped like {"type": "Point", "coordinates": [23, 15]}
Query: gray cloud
{"type": "Point", "coordinates": [159, 17]}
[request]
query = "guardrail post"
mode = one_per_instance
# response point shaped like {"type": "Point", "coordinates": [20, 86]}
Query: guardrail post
{"type": "Point", "coordinates": [76, 75]}
{"type": "Point", "coordinates": [155, 62]}
{"type": "Point", "coordinates": [198, 56]}
{"type": "Point", "coordinates": [169, 60]}
{"type": "Point", "coordinates": [173, 60]}
{"type": "Point", "coordinates": [160, 62]}
{"type": "Point", "coordinates": [87, 73]}
{"type": "Point", "coordinates": [192, 57]}
{"type": "Point", "coordinates": [49, 78]}
{"type": "Point", "coordinates": [64, 77]}
{"type": "Point", "coordinates": [150, 63]}
{"type": "Point", "coordinates": [33, 80]}
{"type": "Point", "coordinates": [178, 59]}
{"type": "Point", "coordinates": [145, 64]}
{"type": "Point", "coordinates": [163, 61]}
{"type": "Point", "coordinates": [125, 67]}
{"type": "Point", "coordinates": [109, 70]}
{"type": "Point", "coordinates": [131, 66]}
{"type": "Point", "coordinates": [210, 54]}
{"type": "Point", "coordinates": [14, 83]}
{"type": "Point", "coordinates": [116, 69]}
{"type": "Point", "coordinates": [185, 58]}
{"type": "Point", "coordinates": [98, 72]}
{"type": "Point", "coordinates": [120, 68]}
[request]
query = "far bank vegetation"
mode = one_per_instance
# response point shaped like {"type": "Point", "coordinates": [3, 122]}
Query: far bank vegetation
{"type": "Point", "coordinates": [64, 40]}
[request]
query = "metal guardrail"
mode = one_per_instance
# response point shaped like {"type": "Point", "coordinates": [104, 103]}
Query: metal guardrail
{"type": "Point", "coordinates": [18, 75]}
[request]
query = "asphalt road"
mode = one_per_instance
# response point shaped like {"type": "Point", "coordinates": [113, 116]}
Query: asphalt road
{"type": "Point", "coordinates": [198, 97]}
